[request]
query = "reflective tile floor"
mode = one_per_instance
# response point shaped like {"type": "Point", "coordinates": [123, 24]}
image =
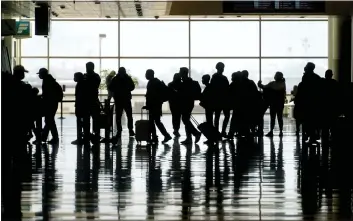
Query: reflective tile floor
{"type": "Point", "coordinates": [260, 179]}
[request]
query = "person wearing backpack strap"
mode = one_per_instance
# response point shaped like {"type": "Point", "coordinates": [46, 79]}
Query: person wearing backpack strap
{"type": "Point", "coordinates": [154, 101]}
{"type": "Point", "coordinates": [51, 96]}
{"type": "Point", "coordinates": [190, 91]}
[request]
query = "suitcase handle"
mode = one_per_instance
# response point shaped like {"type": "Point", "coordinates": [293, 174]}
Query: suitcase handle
{"type": "Point", "coordinates": [194, 120]}
{"type": "Point", "coordinates": [142, 114]}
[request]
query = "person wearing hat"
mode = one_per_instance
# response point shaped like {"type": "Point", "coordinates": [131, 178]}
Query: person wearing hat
{"type": "Point", "coordinates": [52, 94]}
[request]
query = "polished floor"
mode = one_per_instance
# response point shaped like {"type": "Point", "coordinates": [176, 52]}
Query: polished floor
{"type": "Point", "coordinates": [260, 179]}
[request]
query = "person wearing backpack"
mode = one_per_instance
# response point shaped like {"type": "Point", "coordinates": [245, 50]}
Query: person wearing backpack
{"type": "Point", "coordinates": [52, 94]}
{"type": "Point", "coordinates": [190, 91]}
{"type": "Point", "coordinates": [155, 96]}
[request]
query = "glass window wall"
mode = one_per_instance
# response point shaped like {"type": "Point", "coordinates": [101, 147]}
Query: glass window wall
{"type": "Point", "coordinates": [260, 46]}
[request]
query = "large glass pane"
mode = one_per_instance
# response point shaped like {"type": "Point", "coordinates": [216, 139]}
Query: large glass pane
{"type": "Point", "coordinates": [294, 38]}
{"type": "Point", "coordinates": [154, 38]}
{"type": "Point", "coordinates": [84, 38]}
{"type": "Point", "coordinates": [224, 38]}
{"type": "Point", "coordinates": [33, 65]}
{"type": "Point", "coordinates": [64, 69]}
{"type": "Point", "coordinates": [199, 67]}
{"type": "Point", "coordinates": [34, 46]}
{"type": "Point", "coordinates": [164, 69]}
{"type": "Point", "coordinates": [292, 69]}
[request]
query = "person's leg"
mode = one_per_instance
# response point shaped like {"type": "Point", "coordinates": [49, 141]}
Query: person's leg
{"type": "Point", "coordinates": [217, 115]}
{"type": "Point", "coordinates": [176, 118]}
{"type": "Point", "coordinates": [160, 126]}
{"type": "Point", "coordinates": [297, 127]}
{"type": "Point", "coordinates": [280, 119]}
{"type": "Point", "coordinates": [209, 116]}
{"type": "Point", "coordinates": [152, 127]}
{"type": "Point", "coordinates": [53, 128]}
{"type": "Point", "coordinates": [130, 120]}
{"type": "Point", "coordinates": [190, 128]}
{"type": "Point", "coordinates": [272, 120]}
{"type": "Point", "coordinates": [119, 113]}
{"type": "Point", "coordinates": [226, 113]}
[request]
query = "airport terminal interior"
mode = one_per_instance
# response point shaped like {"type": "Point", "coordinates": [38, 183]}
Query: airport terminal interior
{"type": "Point", "coordinates": [256, 178]}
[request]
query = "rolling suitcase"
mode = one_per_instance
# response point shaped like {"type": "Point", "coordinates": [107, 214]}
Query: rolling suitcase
{"type": "Point", "coordinates": [208, 130]}
{"type": "Point", "coordinates": [142, 129]}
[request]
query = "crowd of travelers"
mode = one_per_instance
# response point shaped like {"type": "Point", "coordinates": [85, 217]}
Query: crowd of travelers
{"type": "Point", "coordinates": [243, 103]}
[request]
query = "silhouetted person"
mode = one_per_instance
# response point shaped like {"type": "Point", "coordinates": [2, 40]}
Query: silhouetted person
{"type": "Point", "coordinates": [220, 85]}
{"type": "Point", "coordinates": [175, 102]}
{"type": "Point", "coordinates": [121, 87]}
{"type": "Point", "coordinates": [276, 99]}
{"type": "Point", "coordinates": [154, 101]}
{"type": "Point", "coordinates": [79, 106]}
{"type": "Point", "coordinates": [309, 101]}
{"type": "Point", "coordinates": [295, 111]}
{"type": "Point", "coordinates": [235, 104]}
{"type": "Point", "coordinates": [91, 83]}
{"type": "Point", "coordinates": [190, 91]}
{"type": "Point", "coordinates": [108, 80]}
{"type": "Point", "coordinates": [330, 102]}
{"type": "Point", "coordinates": [51, 94]}
{"type": "Point", "coordinates": [206, 99]}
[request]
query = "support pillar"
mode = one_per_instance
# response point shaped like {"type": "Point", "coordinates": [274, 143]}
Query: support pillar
{"type": "Point", "coordinates": [8, 42]}
{"type": "Point", "coordinates": [340, 47]}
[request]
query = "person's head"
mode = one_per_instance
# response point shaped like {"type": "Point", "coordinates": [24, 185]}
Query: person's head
{"type": "Point", "coordinates": [35, 91]}
{"type": "Point", "coordinates": [329, 74]}
{"type": "Point", "coordinates": [278, 76]}
{"type": "Point", "coordinates": [122, 71]}
{"type": "Point", "coordinates": [112, 73]}
{"type": "Point", "coordinates": [19, 72]}
{"type": "Point", "coordinates": [245, 74]}
{"type": "Point", "coordinates": [78, 76]}
{"type": "Point", "coordinates": [89, 67]}
{"type": "Point", "coordinates": [176, 77]}
{"type": "Point", "coordinates": [149, 74]}
{"type": "Point", "coordinates": [42, 73]}
{"type": "Point", "coordinates": [220, 67]}
{"type": "Point", "coordinates": [309, 67]}
{"type": "Point", "coordinates": [184, 73]}
{"type": "Point", "coordinates": [206, 79]}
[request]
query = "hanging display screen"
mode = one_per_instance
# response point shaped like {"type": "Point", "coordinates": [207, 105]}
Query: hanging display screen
{"type": "Point", "coordinates": [274, 6]}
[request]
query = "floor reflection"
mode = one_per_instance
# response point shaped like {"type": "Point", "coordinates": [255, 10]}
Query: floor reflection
{"type": "Point", "coordinates": [248, 179]}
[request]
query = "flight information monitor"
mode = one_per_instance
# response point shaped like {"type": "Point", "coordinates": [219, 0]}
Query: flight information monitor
{"type": "Point", "coordinates": [274, 7]}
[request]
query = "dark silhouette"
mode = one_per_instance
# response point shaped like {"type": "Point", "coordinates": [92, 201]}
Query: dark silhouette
{"type": "Point", "coordinates": [295, 111]}
{"type": "Point", "coordinates": [121, 87]}
{"type": "Point", "coordinates": [37, 115]}
{"type": "Point", "coordinates": [190, 91]}
{"type": "Point", "coordinates": [91, 82]}
{"type": "Point", "coordinates": [309, 102]}
{"type": "Point", "coordinates": [276, 98]}
{"type": "Point", "coordinates": [331, 104]}
{"type": "Point", "coordinates": [108, 81]}
{"type": "Point", "coordinates": [219, 86]}
{"type": "Point", "coordinates": [80, 106]}
{"type": "Point", "coordinates": [206, 98]}
{"type": "Point", "coordinates": [52, 94]}
{"type": "Point", "coordinates": [175, 102]}
{"type": "Point", "coordinates": [154, 101]}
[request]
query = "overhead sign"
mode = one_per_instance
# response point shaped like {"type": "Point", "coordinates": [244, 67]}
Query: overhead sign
{"type": "Point", "coordinates": [259, 6]}
{"type": "Point", "coordinates": [23, 29]}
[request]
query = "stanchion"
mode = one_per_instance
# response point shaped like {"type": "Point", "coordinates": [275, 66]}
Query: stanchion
{"type": "Point", "coordinates": [61, 111]}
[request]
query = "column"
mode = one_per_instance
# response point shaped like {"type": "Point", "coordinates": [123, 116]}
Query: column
{"type": "Point", "coordinates": [8, 42]}
{"type": "Point", "coordinates": [340, 47]}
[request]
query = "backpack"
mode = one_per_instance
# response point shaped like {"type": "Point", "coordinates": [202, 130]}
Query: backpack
{"type": "Point", "coordinates": [58, 92]}
{"type": "Point", "coordinates": [165, 92]}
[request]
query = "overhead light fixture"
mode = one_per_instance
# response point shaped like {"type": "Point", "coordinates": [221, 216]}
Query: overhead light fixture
{"type": "Point", "coordinates": [107, 16]}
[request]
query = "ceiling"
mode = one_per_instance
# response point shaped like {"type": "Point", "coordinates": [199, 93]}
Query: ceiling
{"type": "Point", "coordinates": [90, 8]}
